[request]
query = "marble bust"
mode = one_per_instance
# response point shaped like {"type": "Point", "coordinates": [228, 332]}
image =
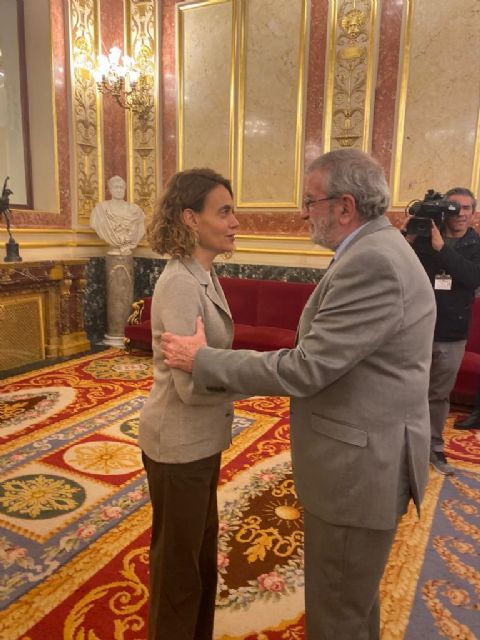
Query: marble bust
{"type": "Point", "coordinates": [119, 223]}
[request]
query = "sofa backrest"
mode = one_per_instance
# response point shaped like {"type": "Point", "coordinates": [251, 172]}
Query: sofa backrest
{"type": "Point", "coordinates": [473, 341]}
{"type": "Point", "coordinates": [267, 303]}
{"type": "Point", "coordinates": [280, 304]}
{"type": "Point", "coordinates": [242, 297]}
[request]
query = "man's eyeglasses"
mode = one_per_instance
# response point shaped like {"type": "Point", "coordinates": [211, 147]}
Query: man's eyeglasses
{"type": "Point", "coordinates": [308, 203]}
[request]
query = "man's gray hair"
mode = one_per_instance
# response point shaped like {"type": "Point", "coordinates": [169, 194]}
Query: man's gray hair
{"type": "Point", "coordinates": [354, 172]}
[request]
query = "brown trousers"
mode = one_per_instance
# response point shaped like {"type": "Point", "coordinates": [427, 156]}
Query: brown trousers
{"type": "Point", "coordinates": [183, 550]}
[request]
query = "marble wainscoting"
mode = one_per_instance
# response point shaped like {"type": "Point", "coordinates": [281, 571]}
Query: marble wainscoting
{"type": "Point", "coordinates": [95, 301]}
{"type": "Point", "coordinates": [269, 272]}
{"type": "Point", "coordinates": [147, 271]}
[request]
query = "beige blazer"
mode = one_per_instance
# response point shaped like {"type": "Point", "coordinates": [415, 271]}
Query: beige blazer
{"type": "Point", "coordinates": [177, 424]}
{"type": "Point", "coordinates": [358, 379]}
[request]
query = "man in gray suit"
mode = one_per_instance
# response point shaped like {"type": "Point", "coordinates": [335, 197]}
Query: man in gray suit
{"type": "Point", "coordinates": [358, 379]}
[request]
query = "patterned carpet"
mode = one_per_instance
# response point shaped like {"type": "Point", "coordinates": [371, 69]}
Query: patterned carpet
{"type": "Point", "coordinates": [74, 519]}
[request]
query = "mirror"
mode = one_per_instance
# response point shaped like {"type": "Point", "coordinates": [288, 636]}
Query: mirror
{"type": "Point", "coordinates": [27, 117]}
{"type": "Point", "coordinates": [14, 140]}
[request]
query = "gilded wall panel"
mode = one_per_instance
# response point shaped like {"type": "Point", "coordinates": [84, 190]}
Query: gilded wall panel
{"type": "Point", "coordinates": [352, 57]}
{"type": "Point", "coordinates": [83, 25]}
{"type": "Point", "coordinates": [141, 40]}
{"type": "Point", "coordinates": [438, 140]}
{"type": "Point", "coordinates": [271, 102]}
{"type": "Point", "coordinates": [205, 85]}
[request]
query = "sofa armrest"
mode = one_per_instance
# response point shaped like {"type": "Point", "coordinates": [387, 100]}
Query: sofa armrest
{"type": "Point", "coordinates": [136, 316]}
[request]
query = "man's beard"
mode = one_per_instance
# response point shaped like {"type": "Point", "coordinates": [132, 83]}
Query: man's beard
{"type": "Point", "coordinates": [322, 233]}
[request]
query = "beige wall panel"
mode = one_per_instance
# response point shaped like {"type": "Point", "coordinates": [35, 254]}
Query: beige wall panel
{"type": "Point", "coordinates": [205, 75]}
{"type": "Point", "coordinates": [438, 110]}
{"type": "Point", "coordinates": [271, 102]}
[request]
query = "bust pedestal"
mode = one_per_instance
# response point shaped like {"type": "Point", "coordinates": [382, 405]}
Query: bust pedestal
{"type": "Point", "coordinates": [119, 278]}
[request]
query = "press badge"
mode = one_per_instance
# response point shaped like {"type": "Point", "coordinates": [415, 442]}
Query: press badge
{"type": "Point", "coordinates": [442, 281]}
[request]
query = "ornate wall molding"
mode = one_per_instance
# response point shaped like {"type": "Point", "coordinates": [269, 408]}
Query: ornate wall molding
{"type": "Point", "coordinates": [141, 44]}
{"type": "Point", "coordinates": [351, 59]}
{"type": "Point", "coordinates": [83, 27]}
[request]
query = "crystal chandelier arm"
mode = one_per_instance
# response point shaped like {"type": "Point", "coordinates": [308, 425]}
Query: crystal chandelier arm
{"type": "Point", "coordinates": [130, 88]}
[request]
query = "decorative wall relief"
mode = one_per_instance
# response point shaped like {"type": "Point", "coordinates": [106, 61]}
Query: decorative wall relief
{"type": "Point", "coordinates": [350, 81]}
{"type": "Point", "coordinates": [83, 25]}
{"type": "Point", "coordinates": [141, 38]}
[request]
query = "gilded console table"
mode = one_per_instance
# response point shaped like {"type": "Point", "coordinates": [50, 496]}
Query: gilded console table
{"type": "Point", "coordinates": [41, 311]}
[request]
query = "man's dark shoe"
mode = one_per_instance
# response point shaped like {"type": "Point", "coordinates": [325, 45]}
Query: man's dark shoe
{"type": "Point", "coordinates": [470, 422]}
{"type": "Point", "coordinates": [440, 463]}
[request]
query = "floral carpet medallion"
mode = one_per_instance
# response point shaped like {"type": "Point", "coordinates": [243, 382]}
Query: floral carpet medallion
{"type": "Point", "coordinates": [260, 553]}
{"type": "Point", "coordinates": [104, 457]}
{"type": "Point", "coordinates": [38, 497]}
{"type": "Point", "coordinates": [120, 368]}
{"type": "Point", "coordinates": [19, 409]}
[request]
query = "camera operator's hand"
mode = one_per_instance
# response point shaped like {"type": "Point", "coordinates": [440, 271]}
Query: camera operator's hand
{"type": "Point", "coordinates": [409, 237]}
{"type": "Point", "coordinates": [437, 240]}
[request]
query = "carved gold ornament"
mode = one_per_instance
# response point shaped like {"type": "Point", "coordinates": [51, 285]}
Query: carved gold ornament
{"type": "Point", "coordinates": [86, 115]}
{"type": "Point", "coordinates": [141, 43]}
{"type": "Point", "coordinates": [352, 22]}
{"type": "Point", "coordinates": [350, 74]}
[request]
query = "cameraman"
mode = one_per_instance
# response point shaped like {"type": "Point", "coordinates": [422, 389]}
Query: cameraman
{"type": "Point", "coordinates": [451, 258]}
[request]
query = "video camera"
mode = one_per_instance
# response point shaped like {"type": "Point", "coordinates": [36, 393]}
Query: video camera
{"type": "Point", "coordinates": [433, 208]}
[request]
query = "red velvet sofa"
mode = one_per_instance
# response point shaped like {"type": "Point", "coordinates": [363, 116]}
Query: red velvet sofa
{"type": "Point", "coordinates": [468, 378]}
{"type": "Point", "coordinates": [265, 314]}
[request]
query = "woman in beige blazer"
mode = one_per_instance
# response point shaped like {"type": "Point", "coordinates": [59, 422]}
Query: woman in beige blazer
{"type": "Point", "coordinates": [182, 433]}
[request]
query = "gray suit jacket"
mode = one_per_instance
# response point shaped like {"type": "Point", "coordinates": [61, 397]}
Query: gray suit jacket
{"type": "Point", "coordinates": [178, 424]}
{"type": "Point", "coordinates": [358, 378]}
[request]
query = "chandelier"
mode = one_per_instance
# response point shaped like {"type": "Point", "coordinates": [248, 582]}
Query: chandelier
{"type": "Point", "coordinates": [131, 88]}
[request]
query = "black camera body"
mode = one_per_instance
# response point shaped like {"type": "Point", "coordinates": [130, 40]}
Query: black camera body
{"type": "Point", "coordinates": [433, 208]}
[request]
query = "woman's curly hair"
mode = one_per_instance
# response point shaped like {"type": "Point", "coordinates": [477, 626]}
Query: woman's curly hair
{"type": "Point", "coordinates": [167, 233]}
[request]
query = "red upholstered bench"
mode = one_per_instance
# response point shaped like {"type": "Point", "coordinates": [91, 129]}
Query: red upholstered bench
{"type": "Point", "coordinates": [265, 314]}
{"type": "Point", "coordinates": [468, 378]}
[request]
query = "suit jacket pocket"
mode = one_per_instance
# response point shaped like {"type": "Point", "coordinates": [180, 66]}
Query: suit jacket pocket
{"type": "Point", "coordinates": [339, 431]}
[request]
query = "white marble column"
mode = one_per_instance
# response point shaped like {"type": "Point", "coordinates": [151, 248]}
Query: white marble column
{"type": "Point", "coordinates": [119, 278]}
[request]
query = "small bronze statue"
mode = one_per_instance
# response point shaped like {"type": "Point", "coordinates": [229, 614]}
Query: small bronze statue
{"type": "Point", "coordinates": [11, 246]}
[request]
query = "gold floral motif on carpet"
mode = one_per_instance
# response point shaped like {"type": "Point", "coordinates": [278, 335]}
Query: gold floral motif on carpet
{"type": "Point", "coordinates": [260, 551]}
